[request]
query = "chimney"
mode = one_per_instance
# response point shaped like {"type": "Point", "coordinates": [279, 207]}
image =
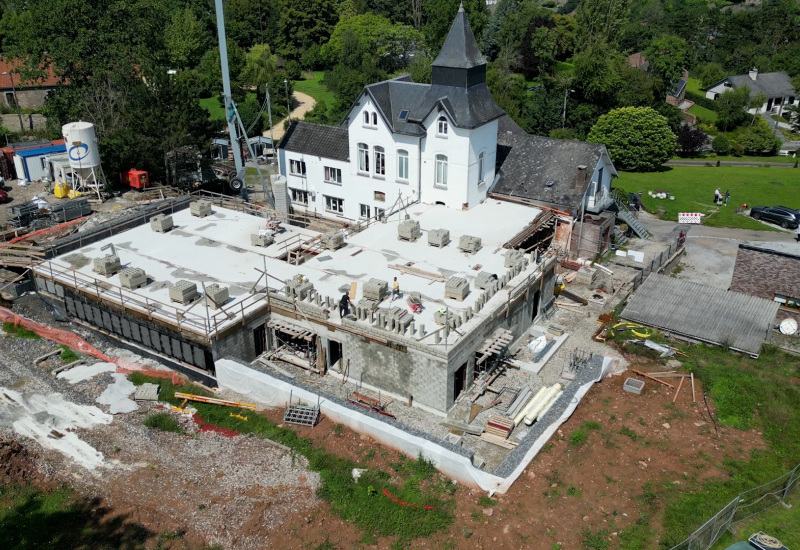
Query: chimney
{"type": "Point", "coordinates": [753, 73]}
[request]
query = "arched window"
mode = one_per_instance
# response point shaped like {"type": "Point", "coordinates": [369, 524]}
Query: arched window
{"type": "Point", "coordinates": [380, 161]}
{"type": "Point", "coordinates": [441, 170]}
{"type": "Point", "coordinates": [374, 119]}
{"type": "Point", "coordinates": [366, 117]}
{"type": "Point", "coordinates": [441, 127]}
{"type": "Point", "coordinates": [402, 164]}
{"type": "Point", "coordinates": [481, 163]}
{"type": "Point", "coordinates": [363, 157]}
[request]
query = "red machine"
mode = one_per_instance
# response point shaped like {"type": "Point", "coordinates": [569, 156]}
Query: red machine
{"type": "Point", "coordinates": [137, 179]}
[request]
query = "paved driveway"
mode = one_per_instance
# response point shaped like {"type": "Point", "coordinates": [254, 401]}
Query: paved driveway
{"type": "Point", "coordinates": [711, 251]}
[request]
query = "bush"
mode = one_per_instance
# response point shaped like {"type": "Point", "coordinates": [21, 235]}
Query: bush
{"type": "Point", "coordinates": [19, 332]}
{"type": "Point", "coordinates": [701, 100]}
{"type": "Point", "coordinates": [737, 150]}
{"type": "Point", "coordinates": [721, 145]}
{"type": "Point", "coordinates": [68, 356]}
{"type": "Point", "coordinates": [164, 422]}
{"type": "Point", "coordinates": [637, 138]}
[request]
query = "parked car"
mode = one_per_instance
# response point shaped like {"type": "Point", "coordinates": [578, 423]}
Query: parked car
{"type": "Point", "coordinates": [782, 215]}
{"type": "Point", "coordinates": [3, 196]}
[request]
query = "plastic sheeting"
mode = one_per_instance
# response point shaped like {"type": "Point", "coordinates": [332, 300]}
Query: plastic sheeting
{"type": "Point", "coordinates": [263, 388]}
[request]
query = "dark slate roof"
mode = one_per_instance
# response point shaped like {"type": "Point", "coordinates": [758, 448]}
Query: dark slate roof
{"type": "Point", "coordinates": [466, 107]}
{"type": "Point", "coordinates": [317, 140]}
{"type": "Point", "coordinates": [678, 87]}
{"type": "Point", "coordinates": [526, 163]}
{"type": "Point", "coordinates": [460, 50]}
{"type": "Point", "coordinates": [702, 312]}
{"type": "Point", "coordinates": [770, 84]}
{"type": "Point", "coordinates": [753, 262]}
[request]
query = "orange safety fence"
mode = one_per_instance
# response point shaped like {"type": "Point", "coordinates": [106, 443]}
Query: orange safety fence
{"type": "Point", "coordinates": [124, 366]}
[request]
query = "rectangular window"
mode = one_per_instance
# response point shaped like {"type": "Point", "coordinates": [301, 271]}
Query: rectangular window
{"type": "Point", "coordinates": [299, 196]}
{"type": "Point", "coordinates": [380, 196]}
{"type": "Point", "coordinates": [441, 170]}
{"type": "Point", "coordinates": [380, 162]}
{"type": "Point", "coordinates": [402, 165]}
{"type": "Point", "coordinates": [297, 167]}
{"type": "Point", "coordinates": [787, 302]}
{"type": "Point", "coordinates": [363, 158]}
{"type": "Point", "coordinates": [333, 175]}
{"type": "Point", "coordinates": [365, 211]}
{"type": "Point", "coordinates": [379, 213]}
{"type": "Point", "coordinates": [332, 204]}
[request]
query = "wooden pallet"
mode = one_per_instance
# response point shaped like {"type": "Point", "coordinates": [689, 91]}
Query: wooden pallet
{"type": "Point", "coordinates": [456, 297]}
{"type": "Point", "coordinates": [499, 441]}
{"type": "Point", "coordinates": [296, 332]}
{"type": "Point", "coordinates": [494, 345]}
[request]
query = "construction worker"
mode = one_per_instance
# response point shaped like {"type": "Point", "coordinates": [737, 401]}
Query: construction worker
{"type": "Point", "coordinates": [395, 289]}
{"type": "Point", "coordinates": [344, 305]}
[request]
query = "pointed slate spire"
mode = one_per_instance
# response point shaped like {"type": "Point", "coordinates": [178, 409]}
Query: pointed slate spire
{"type": "Point", "coordinates": [460, 62]}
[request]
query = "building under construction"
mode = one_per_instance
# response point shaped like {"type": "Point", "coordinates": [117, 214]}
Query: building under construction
{"type": "Point", "coordinates": [195, 281]}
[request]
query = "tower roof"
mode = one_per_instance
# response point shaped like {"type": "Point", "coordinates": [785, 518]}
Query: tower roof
{"type": "Point", "coordinates": [460, 49]}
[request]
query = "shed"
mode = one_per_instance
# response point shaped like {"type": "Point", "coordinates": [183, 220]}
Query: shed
{"type": "Point", "coordinates": [32, 164]}
{"type": "Point", "coordinates": [702, 313]}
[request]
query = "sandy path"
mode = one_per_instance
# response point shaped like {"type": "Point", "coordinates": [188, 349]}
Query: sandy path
{"type": "Point", "coordinates": [304, 103]}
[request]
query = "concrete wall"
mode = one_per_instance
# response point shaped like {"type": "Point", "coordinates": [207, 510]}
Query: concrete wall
{"type": "Point", "coordinates": [28, 99]}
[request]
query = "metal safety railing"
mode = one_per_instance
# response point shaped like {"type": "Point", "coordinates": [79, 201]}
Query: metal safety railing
{"type": "Point", "coordinates": [743, 506]}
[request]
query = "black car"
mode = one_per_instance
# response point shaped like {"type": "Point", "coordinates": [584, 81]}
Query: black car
{"type": "Point", "coordinates": [782, 215]}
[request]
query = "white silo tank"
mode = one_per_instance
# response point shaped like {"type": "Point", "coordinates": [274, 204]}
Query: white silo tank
{"type": "Point", "coordinates": [84, 157]}
{"type": "Point", "coordinates": [81, 142]}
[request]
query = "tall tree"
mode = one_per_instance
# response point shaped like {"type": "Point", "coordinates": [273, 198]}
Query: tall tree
{"type": "Point", "coordinates": [600, 21]}
{"type": "Point", "coordinates": [305, 23]}
{"type": "Point", "coordinates": [85, 39]}
{"type": "Point", "coordinates": [186, 39]}
{"type": "Point", "coordinates": [667, 55]}
{"type": "Point", "coordinates": [637, 138]}
{"type": "Point", "coordinates": [250, 22]}
{"type": "Point", "coordinates": [731, 107]}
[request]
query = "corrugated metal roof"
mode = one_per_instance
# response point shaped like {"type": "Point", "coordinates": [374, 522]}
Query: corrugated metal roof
{"type": "Point", "coordinates": [41, 151]}
{"type": "Point", "coordinates": [702, 312]}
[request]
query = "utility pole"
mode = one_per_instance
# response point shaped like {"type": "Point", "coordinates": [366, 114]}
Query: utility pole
{"type": "Point", "coordinates": [16, 102]}
{"type": "Point", "coordinates": [288, 102]}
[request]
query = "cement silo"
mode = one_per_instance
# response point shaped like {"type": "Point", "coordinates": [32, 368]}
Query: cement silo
{"type": "Point", "coordinates": [84, 157]}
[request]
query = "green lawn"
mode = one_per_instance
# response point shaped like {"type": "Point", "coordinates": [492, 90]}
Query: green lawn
{"type": "Point", "coordinates": [693, 189]}
{"type": "Point", "coordinates": [216, 109]}
{"type": "Point", "coordinates": [705, 115]}
{"type": "Point", "coordinates": [693, 85]}
{"type": "Point", "coordinates": [315, 88]}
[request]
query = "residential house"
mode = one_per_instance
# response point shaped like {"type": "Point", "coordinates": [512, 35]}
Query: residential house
{"type": "Point", "coordinates": [438, 143]}
{"type": "Point", "coordinates": [782, 285]}
{"type": "Point", "coordinates": [677, 93]}
{"type": "Point", "coordinates": [777, 88]}
{"type": "Point", "coordinates": [30, 93]}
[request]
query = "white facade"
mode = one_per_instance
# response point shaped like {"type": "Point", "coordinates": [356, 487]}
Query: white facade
{"type": "Point", "coordinates": [774, 104]}
{"type": "Point", "coordinates": [319, 185]}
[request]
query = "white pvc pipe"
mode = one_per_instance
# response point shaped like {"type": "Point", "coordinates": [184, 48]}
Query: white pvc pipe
{"type": "Point", "coordinates": [546, 398]}
{"type": "Point", "coordinates": [548, 405]}
{"type": "Point", "coordinates": [535, 399]}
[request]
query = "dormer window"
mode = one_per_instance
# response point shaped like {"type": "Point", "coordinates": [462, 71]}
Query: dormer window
{"type": "Point", "coordinates": [441, 126]}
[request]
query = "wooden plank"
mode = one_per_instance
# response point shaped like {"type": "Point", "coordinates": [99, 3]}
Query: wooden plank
{"type": "Point", "coordinates": [654, 378]}
{"type": "Point", "coordinates": [497, 440]}
{"type": "Point", "coordinates": [692, 376]}
{"type": "Point", "coordinates": [473, 411]}
{"type": "Point", "coordinates": [418, 272]}
{"type": "Point", "coordinates": [574, 297]}
{"type": "Point", "coordinates": [353, 287]}
{"type": "Point", "coordinates": [680, 385]}
{"type": "Point", "coordinates": [461, 426]}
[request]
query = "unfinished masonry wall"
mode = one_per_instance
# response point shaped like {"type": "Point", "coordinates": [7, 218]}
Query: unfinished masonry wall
{"type": "Point", "coordinates": [127, 327]}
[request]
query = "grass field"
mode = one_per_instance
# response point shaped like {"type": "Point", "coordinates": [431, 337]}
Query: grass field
{"type": "Point", "coordinates": [315, 88]}
{"type": "Point", "coordinates": [693, 189]}
{"type": "Point", "coordinates": [777, 522]}
{"type": "Point", "coordinates": [705, 115]}
{"type": "Point", "coordinates": [693, 85]}
{"type": "Point", "coordinates": [216, 109]}
{"type": "Point", "coordinates": [747, 394]}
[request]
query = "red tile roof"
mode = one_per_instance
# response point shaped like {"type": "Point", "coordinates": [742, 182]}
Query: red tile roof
{"type": "Point", "coordinates": [49, 79]}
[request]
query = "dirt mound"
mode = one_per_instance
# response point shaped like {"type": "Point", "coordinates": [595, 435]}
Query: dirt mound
{"type": "Point", "coordinates": [17, 464]}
